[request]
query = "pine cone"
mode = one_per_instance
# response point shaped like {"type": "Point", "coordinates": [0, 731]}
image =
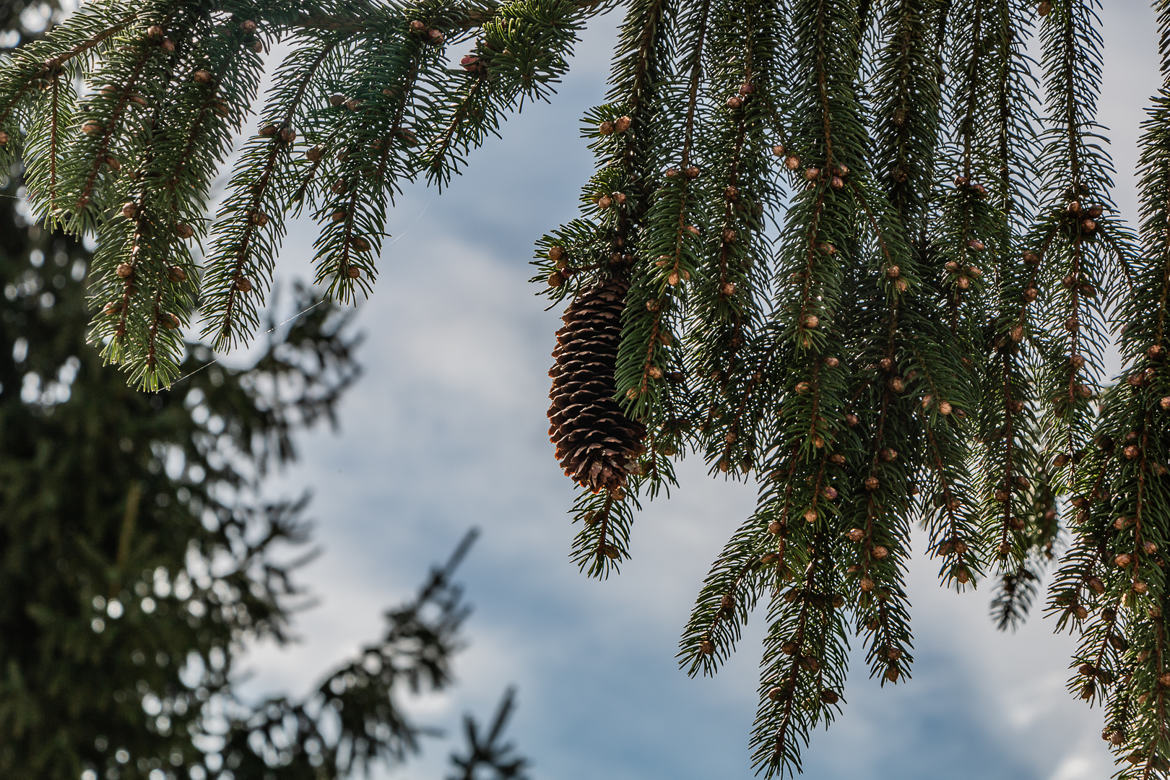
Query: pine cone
{"type": "Point", "coordinates": [596, 443]}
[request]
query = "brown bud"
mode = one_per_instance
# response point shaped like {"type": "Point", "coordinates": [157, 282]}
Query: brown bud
{"type": "Point", "coordinates": [889, 454]}
{"type": "Point", "coordinates": [622, 124]}
{"type": "Point", "coordinates": [774, 527]}
{"type": "Point", "coordinates": [852, 420]}
{"type": "Point", "coordinates": [92, 127]}
{"type": "Point", "coordinates": [3, 138]}
{"type": "Point", "coordinates": [258, 218]}
{"type": "Point", "coordinates": [855, 534]}
{"type": "Point", "coordinates": [734, 102]}
{"type": "Point", "coordinates": [812, 174]}
{"type": "Point", "coordinates": [897, 384]}
{"type": "Point", "coordinates": [243, 284]}
{"type": "Point", "coordinates": [1096, 585]}
{"type": "Point", "coordinates": [944, 407]}
{"type": "Point", "coordinates": [811, 321]}
{"type": "Point", "coordinates": [1123, 560]}
{"type": "Point", "coordinates": [729, 236]}
{"type": "Point", "coordinates": [360, 244]}
{"type": "Point", "coordinates": [691, 171]}
{"type": "Point", "coordinates": [810, 515]}
{"type": "Point", "coordinates": [1149, 548]}
{"type": "Point", "coordinates": [866, 584]}
{"type": "Point", "coordinates": [872, 483]}
{"type": "Point", "coordinates": [257, 46]}
{"type": "Point", "coordinates": [880, 552]}
{"type": "Point", "coordinates": [124, 270]}
{"type": "Point", "coordinates": [248, 26]}
{"type": "Point", "coordinates": [435, 36]}
{"type": "Point", "coordinates": [129, 210]}
{"type": "Point", "coordinates": [836, 182]}
{"type": "Point", "coordinates": [353, 104]}
{"type": "Point", "coordinates": [176, 274]}
{"type": "Point", "coordinates": [706, 646]}
{"type": "Point", "coordinates": [792, 162]}
{"type": "Point", "coordinates": [1140, 587]}
{"type": "Point", "coordinates": [605, 128]}
{"type": "Point", "coordinates": [268, 131]}
{"type": "Point", "coordinates": [976, 245]}
{"type": "Point", "coordinates": [802, 388]}
{"type": "Point", "coordinates": [1089, 225]}
{"type": "Point", "coordinates": [837, 459]}
{"type": "Point", "coordinates": [1131, 451]}
{"type": "Point", "coordinates": [1031, 258]}
{"type": "Point", "coordinates": [555, 279]}
{"type": "Point", "coordinates": [170, 321]}
{"type": "Point", "coordinates": [336, 99]}
{"type": "Point", "coordinates": [604, 202]}
{"type": "Point", "coordinates": [202, 76]}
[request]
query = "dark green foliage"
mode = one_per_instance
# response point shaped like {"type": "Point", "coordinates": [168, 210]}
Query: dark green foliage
{"type": "Point", "coordinates": [139, 553]}
{"type": "Point", "coordinates": [487, 751]}
{"type": "Point", "coordinates": [129, 115]}
{"type": "Point", "coordinates": [871, 257]}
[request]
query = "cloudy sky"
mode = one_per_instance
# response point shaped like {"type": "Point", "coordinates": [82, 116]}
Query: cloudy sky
{"type": "Point", "coordinates": [447, 430]}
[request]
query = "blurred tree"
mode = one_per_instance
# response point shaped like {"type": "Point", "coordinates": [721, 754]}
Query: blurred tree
{"type": "Point", "coordinates": [138, 553]}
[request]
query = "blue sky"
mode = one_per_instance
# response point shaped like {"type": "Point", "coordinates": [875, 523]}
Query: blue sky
{"type": "Point", "coordinates": [447, 429]}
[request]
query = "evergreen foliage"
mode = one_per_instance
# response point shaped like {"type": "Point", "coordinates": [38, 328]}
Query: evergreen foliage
{"type": "Point", "coordinates": [139, 559]}
{"type": "Point", "coordinates": [922, 343]}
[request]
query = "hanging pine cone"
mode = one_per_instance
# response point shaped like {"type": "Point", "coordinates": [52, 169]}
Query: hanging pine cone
{"type": "Point", "coordinates": [596, 443]}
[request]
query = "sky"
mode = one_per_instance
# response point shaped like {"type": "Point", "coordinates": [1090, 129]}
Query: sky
{"type": "Point", "coordinates": [447, 430]}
